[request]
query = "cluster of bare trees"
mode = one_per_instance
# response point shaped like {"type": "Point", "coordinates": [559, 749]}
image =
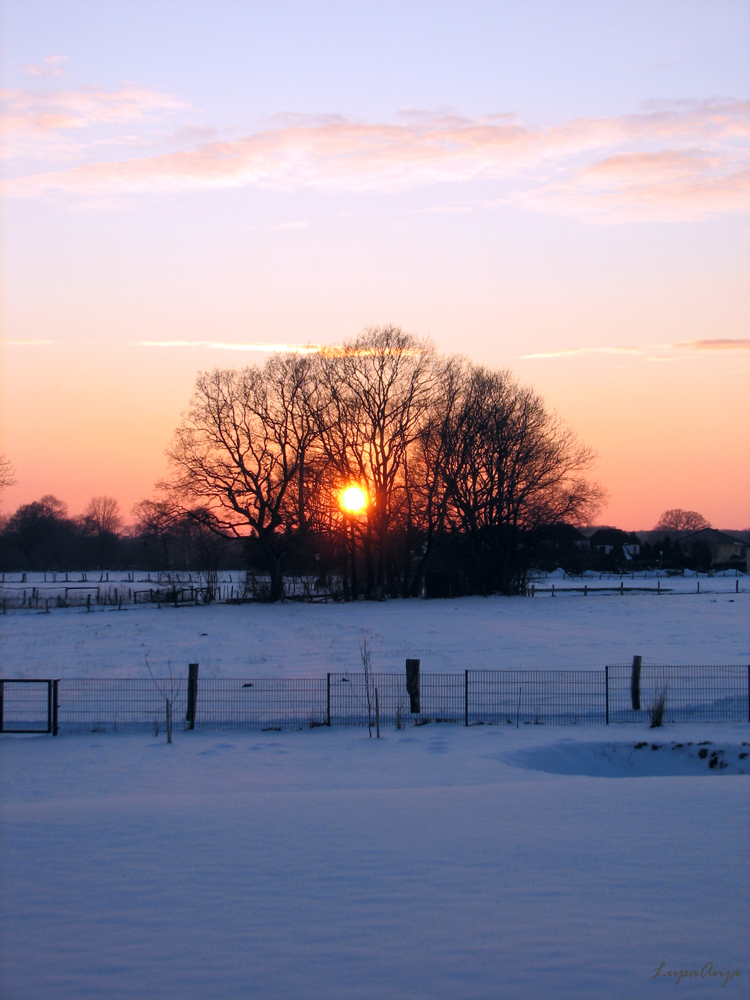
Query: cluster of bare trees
{"type": "Point", "coordinates": [462, 467]}
{"type": "Point", "coordinates": [677, 519]}
{"type": "Point", "coordinates": [40, 535]}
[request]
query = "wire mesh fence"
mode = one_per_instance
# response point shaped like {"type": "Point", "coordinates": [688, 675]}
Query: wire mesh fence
{"type": "Point", "coordinates": [523, 697]}
{"type": "Point", "coordinates": [687, 693]}
{"type": "Point", "coordinates": [352, 699]}
{"type": "Point", "coordinates": [26, 705]}
{"type": "Point", "coordinates": [474, 697]}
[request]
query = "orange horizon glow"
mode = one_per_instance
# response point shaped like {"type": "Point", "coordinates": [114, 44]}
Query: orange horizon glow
{"type": "Point", "coordinates": [77, 422]}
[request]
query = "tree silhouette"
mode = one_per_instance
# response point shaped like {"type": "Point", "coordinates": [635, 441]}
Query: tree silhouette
{"type": "Point", "coordinates": [445, 450]}
{"type": "Point", "coordinates": [677, 519]}
{"type": "Point", "coordinates": [7, 473]}
{"type": "Point", "coordinates": [240, 450]}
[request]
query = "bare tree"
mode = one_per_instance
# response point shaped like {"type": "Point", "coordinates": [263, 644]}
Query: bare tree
{"type": "Point", "coordinates": [374, 396]}
{"type": "Point", "coordinates": [169, 688]}
{"type": "Point", "coordinates": [240, 452]}
{"type": "Point", "coordinates": [103, 521]}
{"type": "Point", "coordinates": [444, 449]}
{"type": "Point", "coordinates": [520, 469]}
{"type": "Point", "coordinates": [365, 652]}
{"type": "Point", "coordinates": [439, 454]}
{"type": "Point", "coordinates": [42, 532]}
{"type": "Point", "coordinates": [677, 519]}
{"type": "Point", "coordinates": [7, 473]}
{"type": "Point", "coordinates": [103, 515]}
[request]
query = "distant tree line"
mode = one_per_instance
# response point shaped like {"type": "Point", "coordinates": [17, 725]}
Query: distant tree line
{"type": "Point", "coordinates": [465, 472]}
{"type": "Point", "coordinates": [610, 550]}
{"type": "Point", "coordinates": [40, 536]}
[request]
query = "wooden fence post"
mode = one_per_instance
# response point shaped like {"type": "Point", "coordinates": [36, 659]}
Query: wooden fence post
{"type": "Point", "coordinates": [412, 685]}
{"type": "Point", "coordinates": [192, 694]}
{"type": "Point", "coordinates": [635, 684]}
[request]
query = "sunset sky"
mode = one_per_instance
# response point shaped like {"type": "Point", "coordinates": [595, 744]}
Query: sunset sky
{"type": "Point", "coordinates": [561, 189]}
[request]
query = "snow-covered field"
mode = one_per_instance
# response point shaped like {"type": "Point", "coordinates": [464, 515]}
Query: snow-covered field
{"type": "Point", "coordinates": [260, 640]}
{"type": "Point", "coordinates": [437, 862]}
{"type": "Point", "coordinates": [434, 863]}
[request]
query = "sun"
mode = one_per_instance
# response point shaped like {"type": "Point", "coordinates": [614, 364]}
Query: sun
{"type": "Point", "coordinates": [353, 499]}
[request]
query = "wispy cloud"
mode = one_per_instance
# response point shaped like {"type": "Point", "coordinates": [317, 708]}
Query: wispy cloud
{"type": "Point", "coordinates": [271, 348]}
{"type": "Point", "coordinates": [568, 352]}
{"type": "Point", "coordinates": [70, 123]}
{"type": "Point", "coordinates": [51, 66]}
{"type": "Point", "coordinates": [666, 351]}
{"type": "Point", "coordinates": [215, 345]}
{"type": "Point", "coordinates": [683, 160]}
{"type": "Point", "coordinates": [717, 344]}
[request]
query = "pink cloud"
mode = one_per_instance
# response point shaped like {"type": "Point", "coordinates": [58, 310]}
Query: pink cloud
{"type": "Point", "coordinates": [667, 352]}
{"type": "Point", "coordinates": [718, 344]}
{"type": "Point", "coordinates": [51, 66]}
{"type": "Point", "coordinates": [64, 123]}
{"type": "Point", "coordinates": [681, 161]}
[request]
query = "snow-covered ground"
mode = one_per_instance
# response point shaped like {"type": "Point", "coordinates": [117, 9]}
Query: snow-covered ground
{"type": "Point", "coordinates": [438, 862]}
{"type": "Point", "coordinates": [291, 639]}
{"type": "Point", "coordinates": [112, 585]}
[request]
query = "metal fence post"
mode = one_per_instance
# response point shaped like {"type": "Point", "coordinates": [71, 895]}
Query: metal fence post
{"type": "Point", "coordinates": [55, 707]}
{"type": "Point", "coordinates": [328, 700]}
{"type": "Point", "coordinates": [49, 706]}
{"type": "Point", "coordinates": [1, 705]}
{"type": "Point", "coordinates": [748, 698]}
{"type": "Point", "coordinates": [466, 697]}
{"type": "Point", "coordinates": [606, 695]}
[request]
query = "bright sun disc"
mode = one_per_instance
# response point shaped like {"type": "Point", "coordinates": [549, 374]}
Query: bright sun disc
{"type": "Point", "coordinates": [353, 499]}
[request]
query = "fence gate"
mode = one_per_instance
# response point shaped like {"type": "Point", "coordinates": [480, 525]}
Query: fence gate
{"type": "Point", "coordinates": [28, 706]}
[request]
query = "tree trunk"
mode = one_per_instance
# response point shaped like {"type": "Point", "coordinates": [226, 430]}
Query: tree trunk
{"type": "Point", "coordinates": [274, 566]}
{"type": "Point", "coordinates": [369, 565]}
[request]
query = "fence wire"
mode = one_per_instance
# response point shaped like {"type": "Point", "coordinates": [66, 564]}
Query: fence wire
{"type": "Point", "coordinates": [26, 706]}
{"type": "Point", "coordinates": [690, 693]}
{"type": "Point", "coordinates": [475, 697]}
{"type": "Point", "coordinates": [544, 697]}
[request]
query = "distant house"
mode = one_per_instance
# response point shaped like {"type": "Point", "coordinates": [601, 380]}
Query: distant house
{"type": "Point", "coordinates": [607, 540]}
{"type": "Point", "coordinates": [723, 548]}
